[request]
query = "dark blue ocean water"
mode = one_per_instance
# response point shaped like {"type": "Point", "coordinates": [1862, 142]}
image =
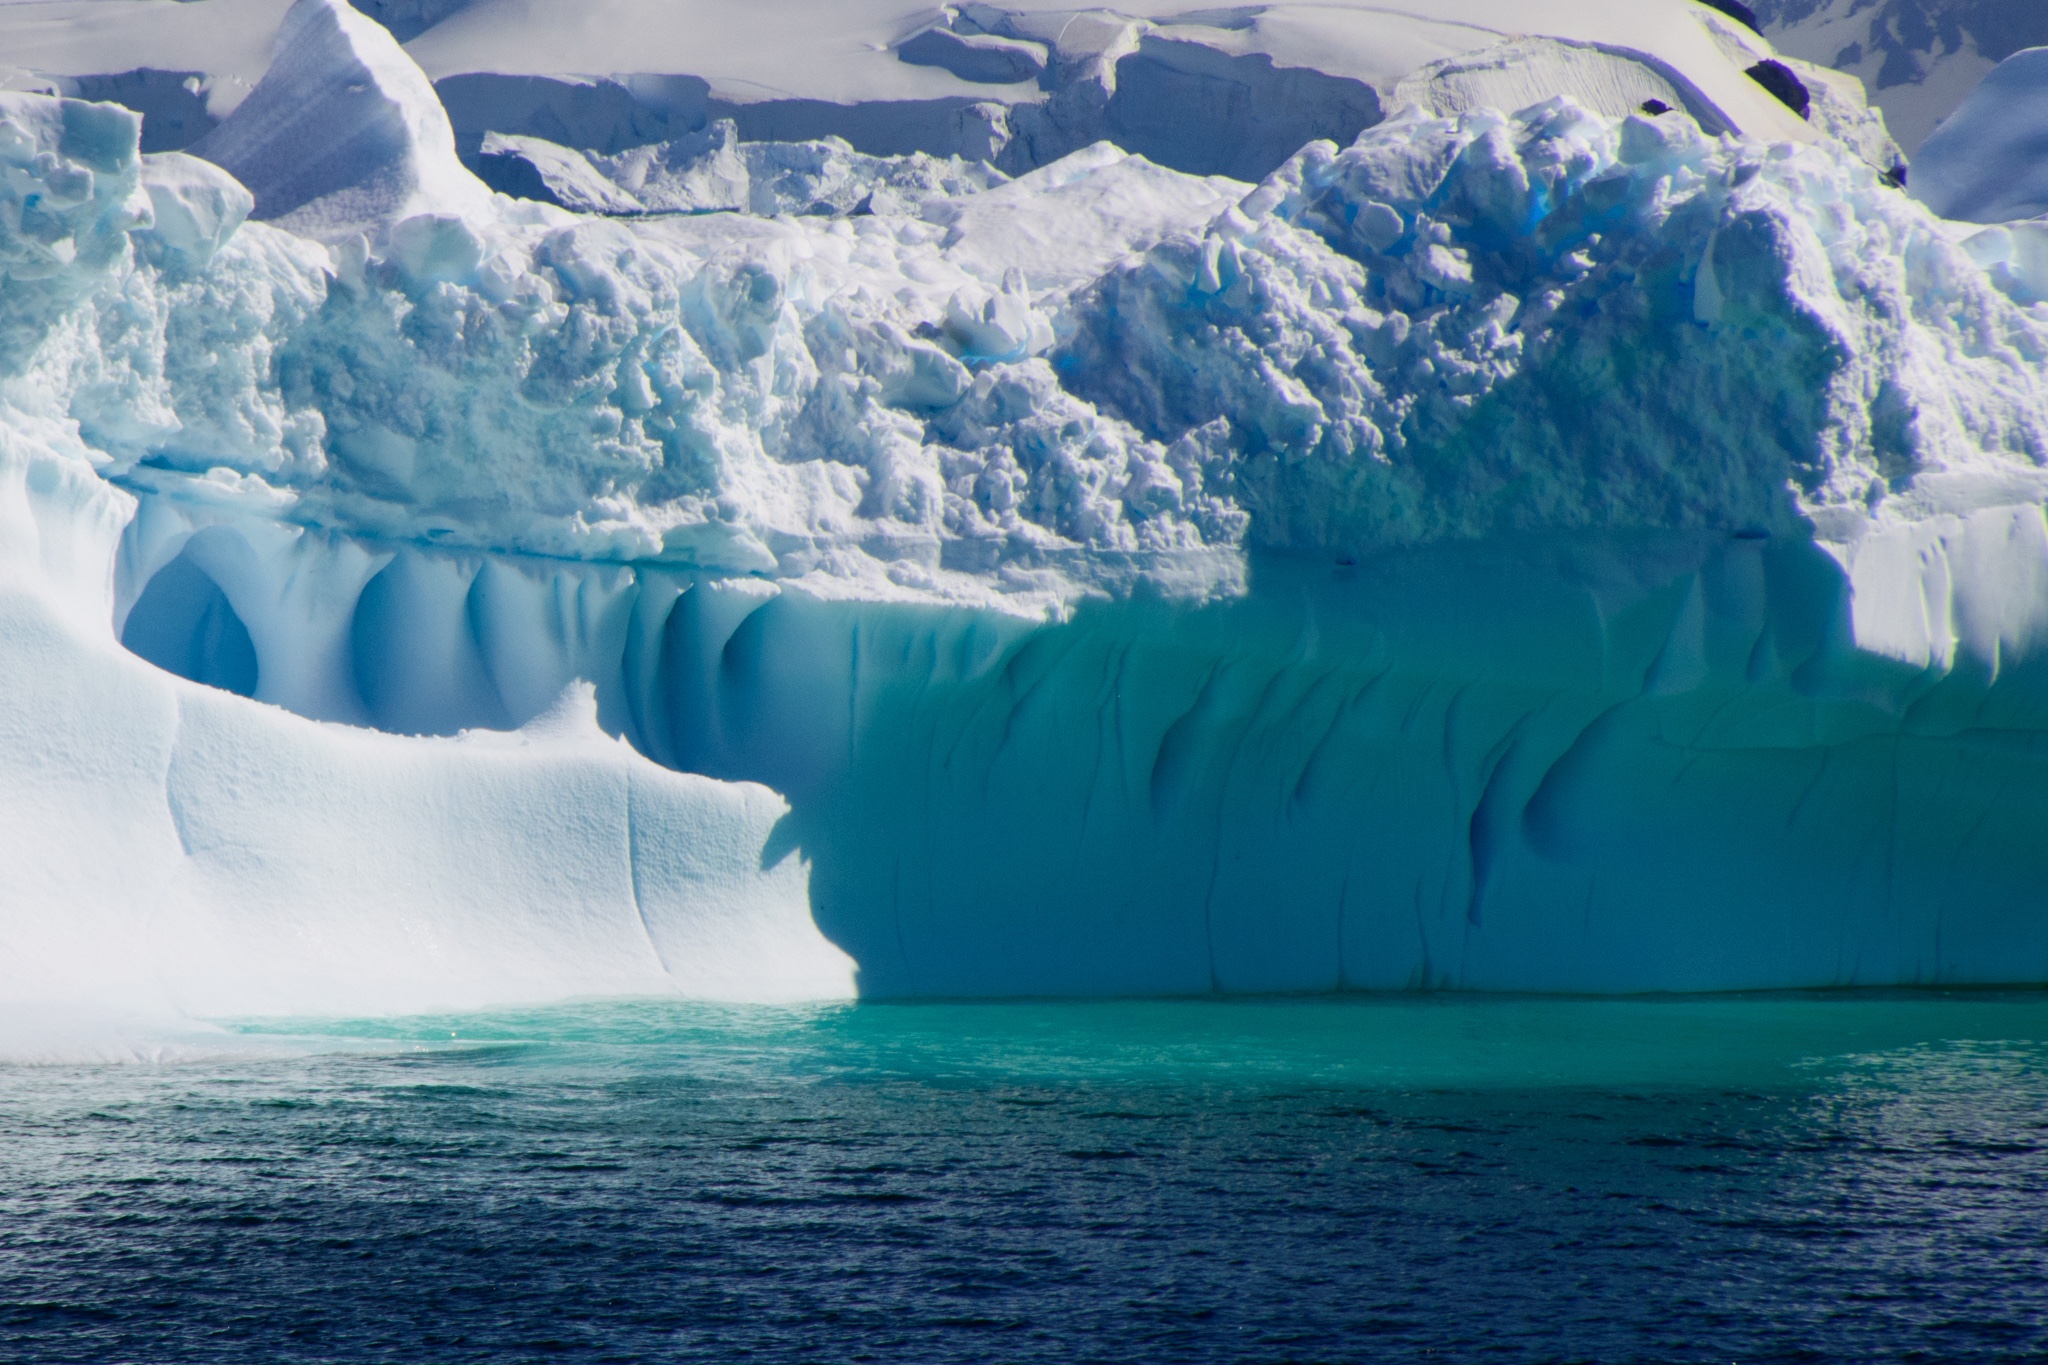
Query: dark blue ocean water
{"type": "Point", "coordinates": [1791, 1178]}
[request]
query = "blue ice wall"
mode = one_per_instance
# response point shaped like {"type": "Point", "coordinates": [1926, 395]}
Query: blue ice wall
{"type": "Point", "coordinates": [1640, 767]}
{"type": "Point", "coordinates": [1631, 762]}
{"type": "Point", "coordinates": [1522, 552]}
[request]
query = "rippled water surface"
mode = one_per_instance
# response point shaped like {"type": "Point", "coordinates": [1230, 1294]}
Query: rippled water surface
{"type": "Point", "coordinates": [1741, 1179]}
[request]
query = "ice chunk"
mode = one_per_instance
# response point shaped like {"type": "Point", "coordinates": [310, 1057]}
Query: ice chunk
{"type": "Point", "coordinates": [1066, 223]}
{"type": "Point", "coordinates": [828, 177]}
{"type": "Point", "coordinates": [197, 206]}
{"type": "Point", "coordinates": [697, 173]}
{"type": "Point", "coordinates": [534, 168]}
{"type": "Point", "coordinates": [710, 171]}
{"type": "Point", "coordinates": [70, 186]}
{"type": "Point", "coordinates": [345, 135]}
{"type": "Point", "coordinates": [2016, 255]}
{"type": "Point", "coordinates": [999, 326]}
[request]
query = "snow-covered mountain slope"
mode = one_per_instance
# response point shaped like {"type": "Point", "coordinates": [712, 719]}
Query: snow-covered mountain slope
{"type": "Point", "coordinates": [1988, 161]}
{"type": "Point", "coordinates": [1917, 58]}
{"type": "Point", "coordinates": [1230, 90]}
{"type": "Point", "coordinates": [1530, 550]}
{"type": "Point", "coordinates": [1206, 90]}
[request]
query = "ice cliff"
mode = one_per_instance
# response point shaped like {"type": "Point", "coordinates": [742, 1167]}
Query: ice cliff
{"type": "Point", "coordinates": [1537, 550]}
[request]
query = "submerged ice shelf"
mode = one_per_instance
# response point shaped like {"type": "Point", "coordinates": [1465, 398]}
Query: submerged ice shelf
{"type": "Point", "coordinates": [1545, 550]}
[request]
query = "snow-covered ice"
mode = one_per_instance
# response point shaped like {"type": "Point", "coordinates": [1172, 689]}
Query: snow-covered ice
{"type": "Point", "coordinates": [1231, 90]}
{"type": "Point", "coordinates": [343, 135]}
{"type": "Point", "coordinates": [1554, 548]}
{"type": "Point", "coordinates": [1918, 59]}
{"type": "Point", "coordinates": [1988, 161]}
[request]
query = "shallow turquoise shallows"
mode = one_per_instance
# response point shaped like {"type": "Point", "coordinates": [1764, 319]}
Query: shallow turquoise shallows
{"type": "Point", "coordinates": [1796, 1177]}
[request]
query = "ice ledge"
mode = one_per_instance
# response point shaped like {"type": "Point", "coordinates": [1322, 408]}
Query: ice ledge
{"type": "Point", "coordinates": [344, 135]}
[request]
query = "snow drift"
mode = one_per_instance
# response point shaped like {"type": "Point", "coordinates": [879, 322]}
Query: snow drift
{"type": "Point", "coordinates": [1545, 550]}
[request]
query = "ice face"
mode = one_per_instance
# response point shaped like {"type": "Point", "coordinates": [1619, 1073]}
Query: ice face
{"type": "Point", "coordinates": [173, 847]}
{"type": "Point", "coordinates": [344, 134]}
{"type": "Point", "coordinates": [1555, 320]}
{"type": "Point", "coordinates": [1528, 551]}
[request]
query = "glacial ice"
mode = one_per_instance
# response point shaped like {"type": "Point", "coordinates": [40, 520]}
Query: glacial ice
{"type": "Point", "coordinates": [1536, 550]}
{"type": "Point", "coordinates": [712, 171]}
{"type": "Point", "coordinates": [1234, 90]}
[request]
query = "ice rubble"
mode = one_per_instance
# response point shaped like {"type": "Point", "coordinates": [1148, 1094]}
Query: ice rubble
{"type": "Point", "coordinates": [1540, 551]}
{"type": "Point", "coordinates": [713, 171]}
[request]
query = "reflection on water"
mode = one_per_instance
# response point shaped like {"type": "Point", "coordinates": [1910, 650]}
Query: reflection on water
{"type": "Point", "coordinates": [1740, 1179]}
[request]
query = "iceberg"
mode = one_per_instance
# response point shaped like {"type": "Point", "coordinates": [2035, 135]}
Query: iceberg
{"type": "Point", "coordinates": [712, 171]}
{"type": "Point", "coordinates": [1559, 549]}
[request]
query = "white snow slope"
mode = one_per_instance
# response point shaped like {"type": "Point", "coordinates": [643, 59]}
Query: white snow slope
{"type": "Point", "coordinates": [1988, 161]}
{"type": "Point", "coordinates": [1203, 89]}
{"type": "Point", "coordinates": [1534, 550]}
{"type": "Point", "coordinates": [1917, 58]}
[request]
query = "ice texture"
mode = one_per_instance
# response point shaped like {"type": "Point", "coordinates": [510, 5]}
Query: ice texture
{"type": "Point", "coordinates": [1555, 320]}
{"type": "Point", "coordinates": [712, 171]}
{"type": "Point", "coordinates": [171, 847]}
{"type": "Point", "coordinates": [1517, 550]}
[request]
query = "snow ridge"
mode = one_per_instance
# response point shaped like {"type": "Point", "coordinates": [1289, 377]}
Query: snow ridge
{"type": "Point", "coordinates": [344, 134]}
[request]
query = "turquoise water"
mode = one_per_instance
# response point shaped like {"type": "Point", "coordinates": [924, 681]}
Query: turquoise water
{"type": "Point", "coordinates": [1746, 1179]}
